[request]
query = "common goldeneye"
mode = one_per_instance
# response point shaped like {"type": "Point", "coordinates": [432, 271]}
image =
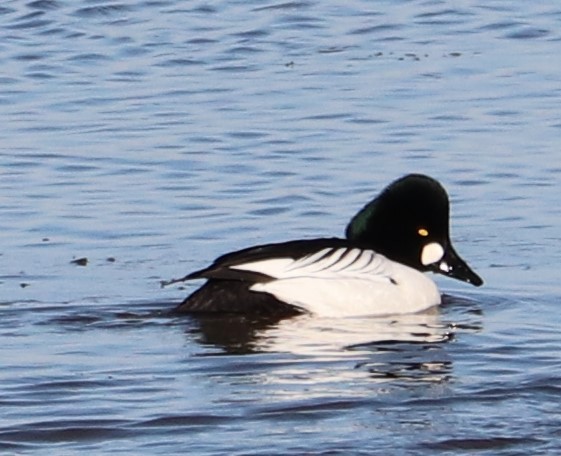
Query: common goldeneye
{"type": "Point", "coordinates": [377, 270]}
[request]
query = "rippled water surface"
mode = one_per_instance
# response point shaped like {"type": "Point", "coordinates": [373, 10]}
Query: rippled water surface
{"type": "Point", "coordinates": [146, 138]}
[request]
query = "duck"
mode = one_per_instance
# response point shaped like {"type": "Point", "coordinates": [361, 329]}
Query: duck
{"type": "Point", "coordinates": [377, 269]}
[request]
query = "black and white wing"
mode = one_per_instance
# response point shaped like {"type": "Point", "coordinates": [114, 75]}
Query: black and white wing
{"type": "Point", "coordinates": [323, 276]}
{"type": "Point", "coordinates": [318, 258]}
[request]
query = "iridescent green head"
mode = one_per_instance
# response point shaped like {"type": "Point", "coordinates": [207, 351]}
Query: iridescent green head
{"type": "Point", "coordinates": [409, 223]}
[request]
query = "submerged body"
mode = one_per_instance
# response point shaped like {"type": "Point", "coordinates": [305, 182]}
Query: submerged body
{"type": "Point", "coordinates": [377, 270]}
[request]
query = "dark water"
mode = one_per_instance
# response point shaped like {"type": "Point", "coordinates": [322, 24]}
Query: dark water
{"type": "Point", "coordinates": [151, 137]}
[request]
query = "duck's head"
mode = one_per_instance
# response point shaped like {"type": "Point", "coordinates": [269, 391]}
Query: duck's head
{"type": "Point", "coordinates": [409, 223]}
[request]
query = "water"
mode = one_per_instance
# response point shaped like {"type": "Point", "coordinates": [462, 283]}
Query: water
{"type": "Point", "coordinates": [150, 138]}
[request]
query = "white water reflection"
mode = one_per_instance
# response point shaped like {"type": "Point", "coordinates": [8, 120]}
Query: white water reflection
{"type": "Point", "coordinates": [327, 351]}
{"type": "Point", "coordinates": [310, 335]}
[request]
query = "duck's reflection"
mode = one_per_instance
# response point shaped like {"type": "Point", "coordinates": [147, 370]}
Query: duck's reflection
{"type": "Point", "coordinates": [307, 334]}
{"type": "Point", "coordinates": [233, 334]}
{"type": "Point", "coordinates": [393, 348]}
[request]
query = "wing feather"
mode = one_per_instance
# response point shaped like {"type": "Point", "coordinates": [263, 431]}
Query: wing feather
{"type": "Point", "coordinates": [350, 263]}
{"type": "Point", "coordinates": [317, 258]}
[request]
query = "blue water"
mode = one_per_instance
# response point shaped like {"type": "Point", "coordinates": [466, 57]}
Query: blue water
{"type": "Point", "coordinates": [151, 138]}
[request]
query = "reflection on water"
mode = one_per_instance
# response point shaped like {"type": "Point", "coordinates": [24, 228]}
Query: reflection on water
{"type": "Point", "coordinates": [395, 349]}
{"type": "Point", "coordinates": [392, 348]}
{"type": "Point", "coordinates": [306, 334]}
{"type": "Point", "coordinates": [161, 134]}
{"type": "Point", "coordinates": [310, 334]}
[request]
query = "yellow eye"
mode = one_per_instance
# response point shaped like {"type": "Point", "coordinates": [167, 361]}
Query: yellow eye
{"type": "Point", "coordinates": [423, 232]}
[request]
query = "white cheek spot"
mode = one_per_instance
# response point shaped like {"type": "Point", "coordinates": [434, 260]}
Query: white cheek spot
{"type": "Point", "coordinates": [431, 253]}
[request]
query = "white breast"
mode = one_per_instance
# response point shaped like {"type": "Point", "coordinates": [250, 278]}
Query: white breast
{"type": "Point", "coordinates": [346, 282]}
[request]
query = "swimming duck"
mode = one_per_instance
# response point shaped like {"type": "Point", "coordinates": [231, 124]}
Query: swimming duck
{"type": "Point", "coordinates": [378, 269]}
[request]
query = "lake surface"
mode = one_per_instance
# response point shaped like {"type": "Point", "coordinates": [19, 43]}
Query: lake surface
{"type": "Point", "coordinates": [151, 138]}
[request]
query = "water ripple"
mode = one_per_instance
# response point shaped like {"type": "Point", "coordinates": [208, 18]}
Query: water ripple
{"type": "Point", "coordinates": [108, 10]}
{"type": "Point", "coordinates": [147, 139]}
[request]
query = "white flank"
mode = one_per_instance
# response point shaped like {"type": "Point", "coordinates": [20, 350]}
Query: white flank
{"type": "Point", "coordinates": [346, 282]}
